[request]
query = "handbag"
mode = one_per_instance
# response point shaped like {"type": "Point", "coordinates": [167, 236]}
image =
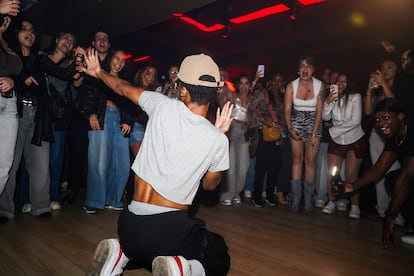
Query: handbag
{"type": "Point", "coordinates": [273, 133]}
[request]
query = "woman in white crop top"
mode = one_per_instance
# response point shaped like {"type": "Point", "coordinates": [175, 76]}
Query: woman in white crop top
{"type": "Point", "coordinates": [303, 112]}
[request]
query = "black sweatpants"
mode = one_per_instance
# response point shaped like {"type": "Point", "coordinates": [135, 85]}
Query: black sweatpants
{"type": "Point", "coordinates": [168, 234]}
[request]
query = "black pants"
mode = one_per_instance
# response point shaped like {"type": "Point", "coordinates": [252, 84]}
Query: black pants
{"type": "Point", "coordinates": [78, 154]}
{"type": "Point", "coordinates": [168, 234]}
{"type": "Point", "coordinates": [407, 210]}
{"type": "Point", "coordinates": [268, 162]}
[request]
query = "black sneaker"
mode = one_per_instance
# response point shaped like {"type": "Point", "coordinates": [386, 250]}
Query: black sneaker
{"type": "Point", "coordinates": [258, 202]}
{"type": "Point", "coordinates": [90, 210]}
{"type": "Point", "coordinates": [271, 201]}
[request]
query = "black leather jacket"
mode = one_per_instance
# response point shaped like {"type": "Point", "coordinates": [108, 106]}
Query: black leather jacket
{"type": "Point", "coordinates": [93, 96]}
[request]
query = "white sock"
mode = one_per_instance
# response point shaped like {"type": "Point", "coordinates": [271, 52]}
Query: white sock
{"type": "Point", "coordinates": [197, 268]}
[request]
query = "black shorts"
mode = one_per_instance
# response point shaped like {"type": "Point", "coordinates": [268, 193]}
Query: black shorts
{"type": "Point", "coordinates": [358, 147]}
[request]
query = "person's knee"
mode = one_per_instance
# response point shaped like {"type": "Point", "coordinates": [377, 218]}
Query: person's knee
{"type": "Point", "coordinates": [216, 260]}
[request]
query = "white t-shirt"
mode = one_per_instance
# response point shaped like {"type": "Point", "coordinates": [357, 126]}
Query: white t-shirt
{"type": "Point", "coordinates": [178, 148]}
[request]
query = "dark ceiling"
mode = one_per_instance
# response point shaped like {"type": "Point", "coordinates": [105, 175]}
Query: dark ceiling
{"type": "Point", "coordinates": [324, 30]}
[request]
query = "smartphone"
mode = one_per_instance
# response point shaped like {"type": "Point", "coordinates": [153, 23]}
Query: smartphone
{"type": "Point", "coordinates": [261, 70]}
{"type": "Point", "coordinates": [334, 90]}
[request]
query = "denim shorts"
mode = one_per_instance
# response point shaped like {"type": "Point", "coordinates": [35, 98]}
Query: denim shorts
{"type": "Point", "coordinates": [137, 133]}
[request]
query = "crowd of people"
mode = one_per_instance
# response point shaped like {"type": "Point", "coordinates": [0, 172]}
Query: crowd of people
{"type": "Point", "coordinates": [60, 102]}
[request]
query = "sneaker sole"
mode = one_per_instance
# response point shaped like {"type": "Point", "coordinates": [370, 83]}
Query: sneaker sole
{"type": "Point", "coordinates": [89, 211]}
{"type": "Point", "coordinates": [161, 266]}
{"type": "Point", "coordinates": [270, 203]}
{"type": "Point", "coordinates": [328, 212]}
{"type": "Point", "coordinates": [100, 265]}
{"type": "Point", "coordinates": [408, 240]}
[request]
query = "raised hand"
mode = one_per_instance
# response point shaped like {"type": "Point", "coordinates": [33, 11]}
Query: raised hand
{"type": "Point", "coordinates": [91, 64]}
{"type": "Point", "coordinates": [223, 117]}
{"type": "Point", "coordinates": [11, 7]}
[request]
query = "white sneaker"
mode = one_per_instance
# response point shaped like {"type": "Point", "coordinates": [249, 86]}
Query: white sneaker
{"type": "Point", "coordinates": [27, 208]}
{"type": "Point", "coordinates": [170, 266]}
{"type": "Point", "coordinates": [55, 205]}
{"type": "Point", "coordinates": [408, 239]}
{"type": "Point", "coordinates": [355, 212]}
{"type": "Point", "coordinates": [226, 202]}
{"type": "Point", "coordinates": [399, 220]}
{"type": "Point", "coordinates": [64, 186]}
{"type": "Point", "coordinates": [342, 206]}
{"type": "Point", "coordinates": [108, 260]}
{"type": "Point", "coordinates": [319, 203]}
{"type": "Point", "coordinates": [247, 194]}
{"type": "Point", "coordinates": [329, 208]}
{"type": "Point", "coordinates": [237, 200]}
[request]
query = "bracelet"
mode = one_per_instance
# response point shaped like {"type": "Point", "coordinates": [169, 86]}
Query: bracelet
{"type": "Point", "coordinates": [313, 135]}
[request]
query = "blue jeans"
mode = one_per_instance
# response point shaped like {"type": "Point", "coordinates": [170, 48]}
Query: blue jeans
{"type": "Point", "coordinates": [108, 163]}
{"type": "Point", "coordinates": [9, 123]}
{"type": "Point", "coordinates": [57, 151]}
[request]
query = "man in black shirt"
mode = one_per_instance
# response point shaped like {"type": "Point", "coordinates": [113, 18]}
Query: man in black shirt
{"type": "Point", "coordinates": [391, 122]}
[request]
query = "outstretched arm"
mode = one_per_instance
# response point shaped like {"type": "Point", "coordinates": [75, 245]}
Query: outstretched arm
{"type": "Point", "coordinates": [116, 84]}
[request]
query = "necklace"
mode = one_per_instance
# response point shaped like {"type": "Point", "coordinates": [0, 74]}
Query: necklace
{"type": "Point", "coordinates": [403, 139]}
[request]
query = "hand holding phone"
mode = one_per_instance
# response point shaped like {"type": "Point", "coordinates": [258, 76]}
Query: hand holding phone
{"type": "Point", "coordinates": [334, 91]}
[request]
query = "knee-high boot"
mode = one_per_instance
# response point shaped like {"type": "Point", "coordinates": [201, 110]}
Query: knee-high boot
{"type": "Point", "coordinates": [296, 187]}
{"type": "Point", "coordinates": [308, 191]}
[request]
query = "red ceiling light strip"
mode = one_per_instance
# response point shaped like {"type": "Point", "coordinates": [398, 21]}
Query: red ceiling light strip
{"type": "Point", "coordinates": [260, 13]}
{"type": "Point", "coordinates": [202, 27]}
{"type": "Point", "coordinates": [142, 58]}
{"type": "Point", "coordinates": [127, 56]}
{"type": "Point", "coordinates": [279, 8]}
{"type": "Point", "coordinates": [310, 2]}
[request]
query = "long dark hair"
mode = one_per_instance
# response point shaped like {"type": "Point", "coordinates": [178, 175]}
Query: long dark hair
{"type": "Point", "coordinates": [14, 41]}
{"type": "Point", "coordinates": [106, 65]}
{"type": "Point", "coordinates": [350, 89]}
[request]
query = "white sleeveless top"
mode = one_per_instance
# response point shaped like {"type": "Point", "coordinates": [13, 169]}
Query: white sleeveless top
{"type": "Point", "coordinates": [306, 105]}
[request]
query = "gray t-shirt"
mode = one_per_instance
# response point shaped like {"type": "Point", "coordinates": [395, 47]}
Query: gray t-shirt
{"type": "Point", "coordinates": [179, 147]}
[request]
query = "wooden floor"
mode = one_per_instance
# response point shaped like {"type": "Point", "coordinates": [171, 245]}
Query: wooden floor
{"type": "Point", "coordinates": [267, 241]}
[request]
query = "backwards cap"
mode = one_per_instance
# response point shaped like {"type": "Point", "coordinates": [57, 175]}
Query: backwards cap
{"type": "Point", "coordinates": [194, 67]}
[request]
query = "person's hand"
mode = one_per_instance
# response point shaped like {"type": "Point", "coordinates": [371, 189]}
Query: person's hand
{"type": "Point", "coordinates": [30, 81]}
{"type": "Point", "coordinates": [294, 134]}
{"type": "Point", "coordinates": [333, 95]}
{"type": "Point", "coordinates": [125, 129]}
{"type": "Point", "coordinates": [339, 187]}
{"type": "Point", "coordinates": [6, 84]}
{"type": "Point", "coordinates": [94, 122]}
{"type": "Point", "coordinates": [11, 7]}
{"type": "Point", "coordinates": [91, 65]}
{"type": "Point", "coordinates": [223, 117]}
{"type": "Point", "coordinates": [388, 233]}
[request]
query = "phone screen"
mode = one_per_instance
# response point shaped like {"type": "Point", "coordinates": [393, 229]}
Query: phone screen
{"type": "Point", "coordinates": [261, 69]}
